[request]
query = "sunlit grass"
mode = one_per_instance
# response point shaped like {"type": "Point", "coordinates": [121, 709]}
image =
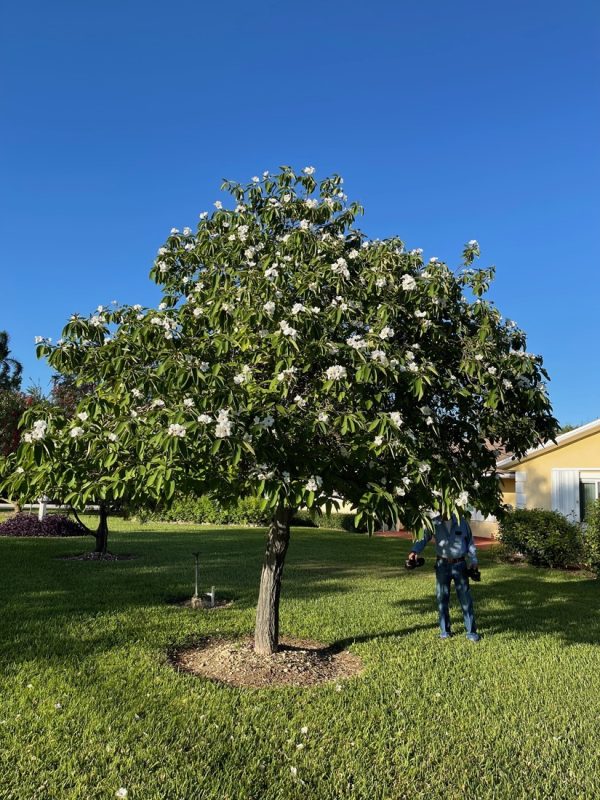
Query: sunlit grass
{"type": "Point", "coordinates": [89, 703]}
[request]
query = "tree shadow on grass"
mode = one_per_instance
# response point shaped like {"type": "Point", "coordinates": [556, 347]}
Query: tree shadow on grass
{"type": "Point", "coordinates": [529, 602]}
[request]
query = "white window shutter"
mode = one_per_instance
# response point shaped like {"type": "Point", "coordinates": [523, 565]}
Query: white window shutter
{"type": "Point", "coordinates": [565, 492]}
{"type": "Point", "coordinates": [520, 493]}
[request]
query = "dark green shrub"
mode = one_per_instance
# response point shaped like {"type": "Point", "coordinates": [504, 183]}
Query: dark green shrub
{"type": "Point", "coordinates": [545, 538]}
{"type": "Point", "coordinates": [591, 538]}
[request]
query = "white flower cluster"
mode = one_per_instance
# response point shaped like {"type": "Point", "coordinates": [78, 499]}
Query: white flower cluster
{"type": "Point", "coordinates": [76, 432]}
{"type": "Point", "coordinates": [356, 342]}
{"type": "Point", "coordinates": [176, 430]}
{"type": "Point", "coordinates": [379, 356]}
{"type": "Point", "coordinates": [224, 425]}
{"type": "Point", "coordinates": [167, 324]}
{"type": "Point", "coordinates": [286, 374]}
{"type": "Point", "coordinates": [386, 333]}
{"type": "Point", "coordinates": [37, 433]}
{"type": "Point", "coordinates": [396, 418]}
{"type": "Point", "coordinates": [243, 376]}
{"type": "Point", "coordinates": [204, 419]}
{"type": "Point", "coordinates": [340, 267]}
{"type": "Point", "coordinates": [287, 329]}
{"type": "Point", "coordinates": [314, 483]}
{"type": "Point", "coordinates": [408, 283]}
{"type": "Point", "coordinates": [269, 307]}
{"type": "Point", "coordinates": [336, 372]}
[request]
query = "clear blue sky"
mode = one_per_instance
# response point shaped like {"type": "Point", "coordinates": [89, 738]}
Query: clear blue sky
{"type": "Point", "coordinates": [449, 121]}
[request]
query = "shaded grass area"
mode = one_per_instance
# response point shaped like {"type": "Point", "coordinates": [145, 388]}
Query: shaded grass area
{"type": "Point", "coordinates": [515, 716]}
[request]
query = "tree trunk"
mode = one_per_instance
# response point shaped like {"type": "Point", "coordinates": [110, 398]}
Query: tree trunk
{"type": "Point", "coordinates": [102, 531]}
{"type": "Point", "coordinates": [266, 633]}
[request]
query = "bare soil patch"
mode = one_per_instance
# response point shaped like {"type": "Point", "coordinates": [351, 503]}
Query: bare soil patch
{"type": "Point", "coordinates": [99, 557]}
{"type": "Point", "coordinates": [298, 662]}
{"type": "Point", "coordinates": [202, 603]}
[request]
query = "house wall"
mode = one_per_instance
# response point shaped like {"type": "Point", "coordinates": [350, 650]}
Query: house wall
{"type": "Point", "coordinates": [581, 454]}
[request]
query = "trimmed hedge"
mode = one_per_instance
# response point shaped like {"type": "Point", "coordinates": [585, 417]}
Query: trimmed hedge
{"type": "Point", "coordinates": [545, 538]}
{"type": "Point", "coordinates": [247, 511]}
{"type": "Point", "coordinates": [29, 525]}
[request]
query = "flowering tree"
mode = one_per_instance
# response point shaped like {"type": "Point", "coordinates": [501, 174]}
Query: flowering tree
{"type": "Point", "coordinates": [296, 360]}
{"type": "Point", "coordinates": [88, 457]}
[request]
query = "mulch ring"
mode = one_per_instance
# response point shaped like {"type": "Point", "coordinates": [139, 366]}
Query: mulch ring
{"type": "Point", "coordinates": [99, 557]}
{"type": "Point", "coordinates": [298, 662]}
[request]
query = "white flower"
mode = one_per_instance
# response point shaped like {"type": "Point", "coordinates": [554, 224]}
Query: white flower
{"type": "Point", "coordinates": [420, 314]}
{"type": "Point", "coordinates": [204, 366]}
{"type": "Point", "coordinates": [429, 421]}
{"type": "Point", "coordinates": [204, 419]}
{"type": "Point", "coordinates": [433, 260]}
{"type": "Point", "coordinates": [417, 251]}
{"type": "Point", "coordinates": [39, 430]}
{"type": "Point", "coordinates": [204, 215]}
{"type": "Point", "coordinates": [463, 499]}
{"type": "Point", "coordinates": [197, 312]}
{"type": "Point", "coordinates": [75, 432]}
{"type": "Point", "coordinates": [137, 307]}
{"type": "Point", "coordinates": [82, 416]}
{"type": "Point", "coordinates": [112, 436]}
{"type": "Point", "coordinates": [255, 179]}
{"type": "Point", "coordinates": [297, 308]}
{"type": "Point", "coordinates": [396, 418]}
{"type": "Point", "coordinates": [378, 441]}
{"type": "Point", "coordinates": [97, 321]}
{"type": "Point", "coordinates": [20, 470]}
{"type": "Point", "coordinates": [380, 283]}
{"type": "Point", "coordinates": [121, 793]}
{"type": "Point", "coordinates": [174, 231]}
{"type": "Point", "coordinates": [294, 771]}
{"type": "Point", "coordinates": [478, 357]}
{"type": "Point", "coordinates": [38, 339]}
{"type": "Point", "coordinates": [400, 491]}
{"type": "Point", "coordinates": [473, 243]}
{"type": "Point", "coordinates": [136, 393]}
{"type": "Point", "coordinates": [507, 384]}
{"type": "Point", "coordinates": [408, 283]}
{"type": "Point", "coordinates": [304, 730]}
{"type": "Point", "coordinates": [265, 422]}
{"type": "Point", "coordinates": [386, 333]}
{"type": "Point", "coordinates": [187, 231]}
{"type": "Point", "coordinates": [336, 372]}
{"type": "Point", "coordinates": [218, 204]}
{"type": "Point", "coordinates": [323, 416]}
{"type": "Point", "coordinates": [158, 403]}
{"type": "Point", "coordinates": [492, 370]}
{"type": "Point", "coordinates": [308, 170]}
{"type": "Point", "coordinates": [188, 402]}
{"type": "Point", "coordinates": [176, 430]}
{"type": "Point", "coordinates": [300, 401]}
{"type": "Point", "coordinates": [271, 272]}
{"type": "Point", "coordinates": [304, 224]}
{"type": "Point", "coordinates": [424, 467]}
{"type": "Point", "coordinates": [311, 203]}
{"type": "Point", "coordinates": [287, 329]}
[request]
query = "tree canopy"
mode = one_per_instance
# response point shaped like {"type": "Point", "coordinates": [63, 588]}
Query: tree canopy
{"type": "Point", "coordinates": [295, 359]}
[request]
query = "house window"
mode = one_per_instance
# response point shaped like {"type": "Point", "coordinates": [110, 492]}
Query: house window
{"type": "Point", "coordinates": [589, 492]}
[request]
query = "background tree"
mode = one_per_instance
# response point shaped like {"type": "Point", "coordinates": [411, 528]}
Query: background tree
{"type": "Point", "coordinates": [10, 369]}
{"type": "Point", "coordinates": [294, 359]}
{"type": "Point", "coordinates": [89, 457]}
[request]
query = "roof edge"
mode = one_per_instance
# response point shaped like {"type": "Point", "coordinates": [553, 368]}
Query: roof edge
{"type": "Point", "coordinates": [563, 438]}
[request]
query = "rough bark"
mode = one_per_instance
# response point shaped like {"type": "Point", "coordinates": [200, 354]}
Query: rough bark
{"type": "Point", "coordinates": [266, 633]}
{"type": "Point", "coordinates": [102, 531]}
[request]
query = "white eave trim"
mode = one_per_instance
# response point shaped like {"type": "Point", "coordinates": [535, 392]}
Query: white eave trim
{"type": "Point", "coordinates": [564, 438]}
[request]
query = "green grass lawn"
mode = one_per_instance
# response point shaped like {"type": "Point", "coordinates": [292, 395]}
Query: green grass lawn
{"type": "Point", "coordinates": [517, 716]}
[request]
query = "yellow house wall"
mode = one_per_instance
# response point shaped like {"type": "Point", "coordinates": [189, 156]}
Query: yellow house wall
{"type": "Point", "coordinates": [581, 454]}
